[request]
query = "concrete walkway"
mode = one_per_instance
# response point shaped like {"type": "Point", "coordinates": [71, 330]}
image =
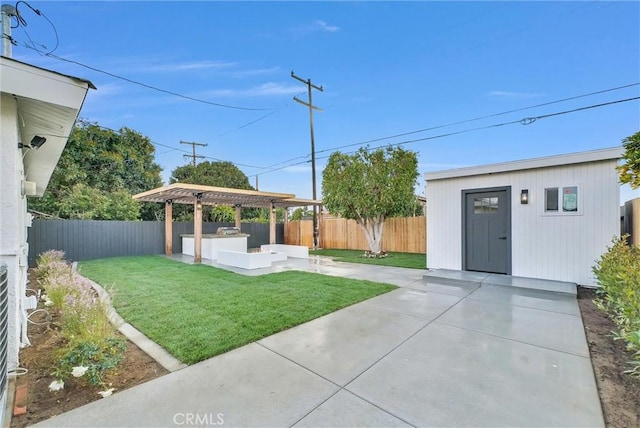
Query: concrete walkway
{"type": "Point", "coordinates": [434, 352]}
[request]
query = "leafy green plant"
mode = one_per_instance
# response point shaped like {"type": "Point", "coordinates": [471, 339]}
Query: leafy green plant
{"type": "Point", "coordinates": [618, 273]}
{"type": "Point", "coordinates": [95, 357]}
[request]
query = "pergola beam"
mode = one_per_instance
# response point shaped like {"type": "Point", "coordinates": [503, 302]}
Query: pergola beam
{"type": "Point", "coordinates": [198, 195]}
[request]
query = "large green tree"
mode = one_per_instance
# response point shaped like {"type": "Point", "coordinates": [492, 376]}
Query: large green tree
{"type": "Point", "coordinates": [369, 186]}
{"type": "Point", "coordinates": [218, 174]}
{"type": "Point", "coordinates": [104, 163]}
{"type": "Point", "coordinates": [629, 170]}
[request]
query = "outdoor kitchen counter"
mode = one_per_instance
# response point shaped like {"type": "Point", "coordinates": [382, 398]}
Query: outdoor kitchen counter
{"type": "Point", "coordinates": [212, 243]}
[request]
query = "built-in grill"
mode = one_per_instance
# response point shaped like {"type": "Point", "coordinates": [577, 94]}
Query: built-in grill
{"type": "Point", "coordinates": [228, 231]}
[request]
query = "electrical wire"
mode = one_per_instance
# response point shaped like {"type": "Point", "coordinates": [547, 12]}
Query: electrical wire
{"type": "Point", "coordinates": [155, 88]}
{"type": "Point", "coordinates": [177, 149]}
{"type": "Point", "coordinates": [460, 122]}
{"type": "Point", "coordinates": [524, 121]}
{"type": "Point", "coordinates": [22, 22]}
{"type": "Point", "coordinates": [19, 371]}
{"type": "Point", "coordinates": [47, 319]}
{"type": "Point", "coordinates": [135, 82]}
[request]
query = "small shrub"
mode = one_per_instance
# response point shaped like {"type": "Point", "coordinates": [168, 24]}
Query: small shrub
{"type": "Point", "coordinates": [618, 273]}
{"type": "Point", "coordinates": [98, 357]}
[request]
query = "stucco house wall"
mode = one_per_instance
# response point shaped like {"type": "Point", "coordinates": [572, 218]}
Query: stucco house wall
{"type": "Point", "coordinates": [34, 102]}
{"type": "Point", "coordinates": [559, 246]}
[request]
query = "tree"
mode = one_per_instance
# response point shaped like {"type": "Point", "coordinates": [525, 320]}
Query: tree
{"type": "Point", "coordinates": [630, 170]}
{"type": "Point", "coordinates": [88, 203]}
{"type": "Point", "coordinates": [111, 163]}
{"type": "Point", "coordinates": [369, 186]}
{"type": "Point", "coordinates": [300, 213]}
{"type": "Point", "coordinates": [218, 174]}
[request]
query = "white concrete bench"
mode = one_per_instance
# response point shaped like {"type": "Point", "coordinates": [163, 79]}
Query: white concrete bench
{"type": "Point", "coordinates": [244, 260]}
{"type": "Point", "coordinates": [296, 251]}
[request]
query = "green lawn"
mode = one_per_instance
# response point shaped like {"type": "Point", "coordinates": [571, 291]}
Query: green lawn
{"type": "Point", "coordinates": [407, 260]}
{"type": "Point", "coordinates": [197, 311]}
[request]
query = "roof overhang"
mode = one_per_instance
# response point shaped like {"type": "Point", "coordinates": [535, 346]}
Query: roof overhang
{"type": "Point", "coordinates": [183, 193]}
{"type": "Point", "coordinates": [613, 153]}
{"type": "Point", "coordinates": [48, 104]}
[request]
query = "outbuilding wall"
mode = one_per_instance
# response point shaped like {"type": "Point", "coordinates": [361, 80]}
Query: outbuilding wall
{"type": "Point", "coordinates": [562, 246]}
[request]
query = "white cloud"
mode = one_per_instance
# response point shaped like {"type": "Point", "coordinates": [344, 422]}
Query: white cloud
{"type": "Point", "coordinates": [266, 89]}
{"type": "Point", "coordinates": [317, 26]}
{"type": "Point", "coordinates": [323, 26]}
{"type": "Point", "coordinates": [186, 66]}
{"type": "Point", "coordinates": [515, 95]}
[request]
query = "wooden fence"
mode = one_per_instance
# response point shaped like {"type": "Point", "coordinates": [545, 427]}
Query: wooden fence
{"type": "Point", "coordinates": [401, 234]}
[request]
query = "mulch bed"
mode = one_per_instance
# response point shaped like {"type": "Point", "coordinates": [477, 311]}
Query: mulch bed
{"type": "Point", "coordinates": [619, 392]}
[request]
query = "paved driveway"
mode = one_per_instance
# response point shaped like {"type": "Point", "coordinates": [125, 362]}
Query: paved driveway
{"type": "Point", "coordinates": [427, 354]}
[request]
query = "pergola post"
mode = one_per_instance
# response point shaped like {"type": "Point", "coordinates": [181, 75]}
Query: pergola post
{"type": "Point", "coordinates": [272, 224]}
{"type": "Point", "coordinates": [286, 223]}
{"type": "Point", "coordinates": [238, 211]}
{"type": "Point", "coordinates": [197, 228]}
{"type": "Point", "coordinates": [168, 227]}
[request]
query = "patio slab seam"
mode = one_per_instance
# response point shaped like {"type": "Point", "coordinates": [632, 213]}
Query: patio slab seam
{"type": "Point", "coordinates": [512, 340]}
{"type": "Point", "coordinates": [340, 387]}
{"type": "Point", "coordinates": [520, 305]}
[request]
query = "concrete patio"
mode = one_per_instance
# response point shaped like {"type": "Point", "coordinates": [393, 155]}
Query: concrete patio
{"type": "Point", "coordinates": [438, 351]}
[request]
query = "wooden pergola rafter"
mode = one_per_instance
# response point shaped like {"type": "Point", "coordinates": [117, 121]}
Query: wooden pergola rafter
{"type": "Point", "coordinates": [198, 195]}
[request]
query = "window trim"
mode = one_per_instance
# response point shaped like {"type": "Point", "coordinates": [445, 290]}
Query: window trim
{"type": "Point", "coordinates": [560, 212]}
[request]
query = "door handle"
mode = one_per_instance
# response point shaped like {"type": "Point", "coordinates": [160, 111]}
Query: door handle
{"type": "Point", "coordinates": [502, 237]}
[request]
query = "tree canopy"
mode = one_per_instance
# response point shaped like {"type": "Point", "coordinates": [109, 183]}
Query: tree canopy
{"type": "Point", "coordinates": [369, 186]}
{"type": "Point", "coordinates": [102, 165]}
{"type": "Point", "coordinates": [629, 170]}
{"type": "Point", "coordinates": [218, 174]}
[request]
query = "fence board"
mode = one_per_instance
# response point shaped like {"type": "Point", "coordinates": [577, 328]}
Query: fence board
{"type": "Point", "coordinates": [400, 234]}
{"type": "Point", "coordinates": [93, 239]}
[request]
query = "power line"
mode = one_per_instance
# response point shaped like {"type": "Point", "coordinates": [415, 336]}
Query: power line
{"type": "Point", "coordinates": [155, 88]}
{"type": "Point", "coordinates": [155, 143]}
{"type": "Point", "coordinates": [524, 121]}
{"type": "Point", "coordinates": [480, 117]}
{"type": "Point", "coordinates": [460, 122]}
{"type": "Point", "coordinates": [135, 82]}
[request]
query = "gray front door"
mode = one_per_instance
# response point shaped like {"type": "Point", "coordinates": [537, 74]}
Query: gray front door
{"type": "Point", "coordinates": [487, 230]}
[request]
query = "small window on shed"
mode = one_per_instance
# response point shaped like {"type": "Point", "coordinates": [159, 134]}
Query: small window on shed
{"type": "Point", "coordinates": [551, 199]}
{"type": "Point", "coordinates": [570, 199]}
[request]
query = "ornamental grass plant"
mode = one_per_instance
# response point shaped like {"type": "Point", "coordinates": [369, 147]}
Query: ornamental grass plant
{"type": "Point", "coordinates": [91, 345]}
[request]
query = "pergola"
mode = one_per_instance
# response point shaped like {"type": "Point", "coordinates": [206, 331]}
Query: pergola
{"type": "Point", "coordinates": [197, 195]}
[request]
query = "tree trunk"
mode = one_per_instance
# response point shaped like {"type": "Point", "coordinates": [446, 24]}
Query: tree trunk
{"type": "Point", "coordinates": [372, 228]}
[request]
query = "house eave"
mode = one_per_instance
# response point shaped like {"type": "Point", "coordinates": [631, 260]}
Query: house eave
{"type": "Point", "coordinates": [48, 104]}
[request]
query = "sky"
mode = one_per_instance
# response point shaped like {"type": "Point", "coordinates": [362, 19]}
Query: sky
{"type": "Point", "coordinates": [391, 73]}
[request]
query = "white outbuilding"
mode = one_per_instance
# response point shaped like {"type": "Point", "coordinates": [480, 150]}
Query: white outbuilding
{"type": "Point", "coordinates": [547, 218]}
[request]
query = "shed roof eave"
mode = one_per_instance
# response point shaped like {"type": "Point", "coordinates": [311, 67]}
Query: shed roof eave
{"type": "Point", "coordinates": [612, 153]}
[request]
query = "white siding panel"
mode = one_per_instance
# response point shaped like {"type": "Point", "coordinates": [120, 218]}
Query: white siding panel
{"type": "Point", "coordinates": [558, 247]}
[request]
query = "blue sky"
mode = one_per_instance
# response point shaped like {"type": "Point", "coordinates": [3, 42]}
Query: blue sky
{"type": "Point", "coordinates": [387, 68]}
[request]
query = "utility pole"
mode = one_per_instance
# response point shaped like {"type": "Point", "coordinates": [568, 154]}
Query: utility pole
{"type": "Point", "coordinates": [193, 146]}
{"type": "Point", "coordinates": [313, 149]}
{"type": "Point", "coordinates": [7, 42]}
